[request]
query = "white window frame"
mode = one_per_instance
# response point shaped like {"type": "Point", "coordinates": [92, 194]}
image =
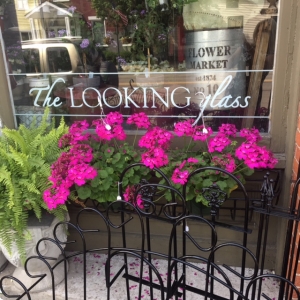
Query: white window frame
{"type": "Point", "coordinates": [22, 4]}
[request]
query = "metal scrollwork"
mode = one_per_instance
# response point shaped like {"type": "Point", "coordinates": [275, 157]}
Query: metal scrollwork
{"type": "Point", "coordinates": [215, 197]}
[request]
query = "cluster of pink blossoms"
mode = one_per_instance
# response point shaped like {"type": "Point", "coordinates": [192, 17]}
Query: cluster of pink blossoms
{"type": "Point", "coordinates": [110, 127]}
{"type": "Point", "coordinates": [156, 140]}
{"type": "Point", "coordinates": [180, 175]}
{"type": "Point", "coordinates": [225, 161]}
{"type": "Point", "coordinates": [75, 166]}
{"type": "Point", "coordinates": [249, 153]}
{"type": "Point", "coordinates": [141, 120]}
{"type": "Point", "coordinates": [129, 196]}
{"type": "Point", "coordinates": [72, 167]}
{"type": "Point", "coordinates": [253, 155]}
{"type": "Point", "coordinates": [197, 133]}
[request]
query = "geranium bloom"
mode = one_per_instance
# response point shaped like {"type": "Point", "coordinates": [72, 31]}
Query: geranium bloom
{"type": "Point", "coordinates": [141, 120]}
{"type": "Point", "coordinates": [76, 134]}
{"type": "Point", "coordinates": [103, 132]}
{"type": "Point", "coordinates": [225, 161]}
{"type": "Point", "coordinates": [114, 118]}
{"type": "Point", "coordinates": [65, 140]}
{"type": "Point", "coordinates": [184, 128]}
{"type": "Point", "coordinates": [54, 197]}
{"type": "Point", "coordinates": [228, 129]}
{"type": "Point", "coordinates": [129, 197]}
{"type": "Point", "coordinates": [251, 135]}
{"type": "Point", "coordinates": [243, 151]}
{"type": "Point", "coordinates": [260, 158]}
{"type": "Point", "coordinates": [119, 133]}
{"type": "Point", "coordinates": [129, 193]}
{"type": "Point", "coordinates": [155, 158]}
{"type": "Point", "coordinates": [180, 177]}
{"type": "Point", "coordinates": [139, 201]}
{"type": "Point", "coordinates": [218, 143]}
{"type": "Point", "coordinates": [157, 137]}
{"type": "Point", "coordinates": [192, 160]}
{"type": "Point", "coordinates": [163, 136]}
{"type": "Point", "coordinates": [81, 173]}
{"type": "Point", "coordinates": [181, 166]}
{"type": "Point", "coordinates": [255, 156]}
{"type": "Point", "coordinates": [200, 134]}
{"type": "Point", "coordinates": [147, 141]}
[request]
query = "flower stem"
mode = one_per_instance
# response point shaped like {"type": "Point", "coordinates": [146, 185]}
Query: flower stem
{"type": "Point", "coordinates": [187, 149]}
{"type": "Point", "coordinates": [116, 144]}
{"type": "Point", "coordinates": [134, 137]}
{"type": "Point", "coordinates": [239, 171]}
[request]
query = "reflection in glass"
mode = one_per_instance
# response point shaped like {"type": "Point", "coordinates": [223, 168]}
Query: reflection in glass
{"type": "Point", "coordinates": [219, 54]}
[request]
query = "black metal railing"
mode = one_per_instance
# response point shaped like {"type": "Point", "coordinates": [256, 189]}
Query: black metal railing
{"type": "Point", "coordinates": [194, 245]}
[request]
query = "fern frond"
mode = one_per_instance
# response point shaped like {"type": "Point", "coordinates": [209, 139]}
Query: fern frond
{"type": "Point", "coordinates": [15, 139]}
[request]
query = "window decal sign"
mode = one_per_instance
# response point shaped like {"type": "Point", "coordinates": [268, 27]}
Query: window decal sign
{"type": "Point", "coordinates": [150, 97]}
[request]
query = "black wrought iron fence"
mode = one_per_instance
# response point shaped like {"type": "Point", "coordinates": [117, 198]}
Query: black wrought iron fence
{"type": "Point", "coordinates": [186, 254]}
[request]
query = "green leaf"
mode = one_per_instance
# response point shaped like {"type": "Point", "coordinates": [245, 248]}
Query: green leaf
{"type": "Point", "coordinates": [248, 172]}
{"type": "Point", "coordinates": [103, 173]}
{"type": "Point", "coordinates": [109, 170]}
{"type": "Point", "coordinates": [222, 184]}
{"type": "Point", "coordinates": [116, 158]}
{"type": "Point", "coordinates": [230, 183]}
{"type": "Point", "coordinates": [95, 182]}
{"type": "Point", "coordinates": [84, 192]}
{"type": "Point", "coordinates": [207, 182]}
{"type": "Point", "coordinates": [201, 199]}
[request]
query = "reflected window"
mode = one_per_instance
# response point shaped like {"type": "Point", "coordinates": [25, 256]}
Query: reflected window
{"type": "Point", "coordinates": [232, 3]}
{"type": "Point", "coordinates": [22, 4]}
{"type": "Point", "coordinates": [98, 31]}
{"type": "Point", "coordinates": [32, 60]}
{"type": "Point", "coordinates": [26, 35]}
{"type": "Point", "coordinates": [58, 59]}
{"type": "Point", "coordinates": [236, 22]}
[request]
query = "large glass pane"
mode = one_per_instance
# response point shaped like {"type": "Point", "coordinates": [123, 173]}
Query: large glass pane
{"type": "Point", "coordinates": [58, 59]}
{"type": "Point", "coordinates": [208, 60]}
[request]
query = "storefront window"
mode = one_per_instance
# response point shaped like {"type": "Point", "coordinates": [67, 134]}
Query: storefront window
{"type": "Point", "coordinates": [208, 60]}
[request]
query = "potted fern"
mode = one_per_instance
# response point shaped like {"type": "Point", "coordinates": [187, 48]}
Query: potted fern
{"type": "Point", "coordinates": [26, 155]}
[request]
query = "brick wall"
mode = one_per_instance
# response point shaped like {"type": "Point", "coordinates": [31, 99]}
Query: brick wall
{"type": "Point", "coordinates": [84, 8]}
{"type": "Point", "coordinates": [295, 176]}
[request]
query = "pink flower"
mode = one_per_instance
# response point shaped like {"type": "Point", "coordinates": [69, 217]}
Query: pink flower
{"type": "Point", "coordinates": [200, 134]}
{"type": "Point", "coordinates": [181, 166]}
{"type": "Point", "coordinates": [225, 161]}
{"type": "Point", "coordinates": [119, 133]}
{"type": "Point", "coordinates": [81, 173]}
{"type": "Point", "coordinates": [218, 143]}
{"type": "Point", "coordinates": [155, 158]}
{"type": "Point", "coordinates": [255, 156]}
{"type": "Point", "coordinates": [129, 197]}
{"type": "Point", "coordinates": [141, 120]}
{"type": "Point", "coordinates": [251, 135]}
{"type": "Point", "coordinates": [76, 134]}
{"type": "Point", "coordinates": [129, 193]}
{"type": "Point", "coordinates": [156, 137]}
{"type": "Point", "coordinates": [114, 118]}
{"type": "Point", "coordinates": [184, 128]}
{"type": "Point", "coordinates": [180, 177]}
{"type": "Point", "coordinates": [54, 197]}
{"type": "Point", "coordinates": [103, 132]}
{"type": "Point", "coordinates": [139, 201]}
{"type": "Point", "coordinates": [244, 149]}
{"type": "Point", "coordinates": [192, 160]}
{"type": "Point", "coordinates": [228, 129]}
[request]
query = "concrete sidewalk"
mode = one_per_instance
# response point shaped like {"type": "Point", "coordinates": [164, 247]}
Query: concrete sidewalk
{"type": "Point", "coordinates": [96, 288]}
